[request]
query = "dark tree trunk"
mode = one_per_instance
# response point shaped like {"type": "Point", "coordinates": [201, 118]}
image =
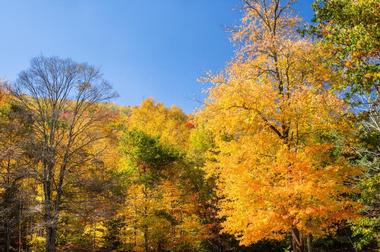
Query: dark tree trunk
{"type": "Point", "coordinates": [19, 222]}
{"type": "Point", "coordinates": [51, 233]}
{"type": "Point", "coordinates": [9, 205]}
{"type": "Point", "coordinates": [50, 223]}
{"type": "Point", "coordinates": [146, 240]}
{"type": "Point", "coordinates": [7, 240]}
{"type": "Point", "coordinates": [159, 247]}
{"type": "Point", "coordinates": [146, 236]}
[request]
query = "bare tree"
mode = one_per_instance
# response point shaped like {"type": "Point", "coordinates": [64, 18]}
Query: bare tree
{"type": "Point", "coordinates": [64, 99]}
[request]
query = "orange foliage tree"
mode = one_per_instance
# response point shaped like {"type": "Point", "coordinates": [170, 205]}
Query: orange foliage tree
{"type": "Point", "coordinates": [276, 124]}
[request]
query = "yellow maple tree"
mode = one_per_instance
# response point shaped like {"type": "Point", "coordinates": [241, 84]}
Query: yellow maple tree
{"type": "Point", "coordinates": [277, 125]}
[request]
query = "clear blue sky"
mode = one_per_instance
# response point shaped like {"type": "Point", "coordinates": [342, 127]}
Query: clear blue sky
{"type": "Point", "coordinates": [145, 48]}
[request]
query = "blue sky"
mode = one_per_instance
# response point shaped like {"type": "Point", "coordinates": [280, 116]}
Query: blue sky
{"type": "Point", "coordinates": [151, 48]}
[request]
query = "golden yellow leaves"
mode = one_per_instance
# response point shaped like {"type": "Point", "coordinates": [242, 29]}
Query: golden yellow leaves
{"type": "Point", "coordinates": [267, 194]}
{"type": "Point", "coordinates": [157, 120]}
{"type": "Point", "coordinates": [162, 212]}
{"type": "Point", "coordinates": [278, 131]}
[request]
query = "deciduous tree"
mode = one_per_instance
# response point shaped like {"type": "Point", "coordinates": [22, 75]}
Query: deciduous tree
{"type": "Point", "coordinates": [278, 166]}
{"type": "Point", "coordinates": [63, 99]}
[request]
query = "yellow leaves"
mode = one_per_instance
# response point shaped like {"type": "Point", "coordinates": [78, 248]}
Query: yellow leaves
{"type": "Point", "coordinates": [275, 120]}
{"type": "Point", "coordinates": [271, 194]}
{"type": "Point", "coordinates": [157, 120]}
{"type": "Point", "coordinates": [191, 230]}
{"type": "Point", "coordinates": [4, 97]}
{"type": "Point", "coordinates": [165, 213]}
{"type": "Point", "coordinates": [97, 232]}
{"type": "Point", "coordinates": [36, 242]}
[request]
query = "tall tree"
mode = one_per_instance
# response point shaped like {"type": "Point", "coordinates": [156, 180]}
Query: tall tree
{"type": "Point", "coordinates": [276, 159]}
{"type": "Point", "coordinates": [164, 190]}
{"type": "Point", "coordinates": [146, 161]}
{"type": "Point", "coordinates": [366, 229]}
{"type": "Point", "coordinates": [62, 98]}
{"type": "Point", "coordinates": [350, 31]}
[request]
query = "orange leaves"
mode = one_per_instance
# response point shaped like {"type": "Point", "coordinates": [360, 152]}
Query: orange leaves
{"type": "Point", "coordinates": [267, 188]}
{"type": "Point", "coordinates": [277, 128]}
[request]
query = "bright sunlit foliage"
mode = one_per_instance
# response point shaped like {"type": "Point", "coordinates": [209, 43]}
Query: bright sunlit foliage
{"type": "Point", "coordinates": [283, 155]}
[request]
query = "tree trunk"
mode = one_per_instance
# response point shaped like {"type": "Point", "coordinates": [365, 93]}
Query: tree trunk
{"type": "Point", "coordinates": [50, 218]}
{"type": "Point", "coordinates": [51, 233]}
{"type": "Point", "coordinates": [309, 243]}
{"type": "Point", "coordinates": [146, 240]}
{"type": "Point", "coordinates": [7, 220]}
{"type": "Point", "coordinates": [159, 247]}
{"type": "Point", "coordinates": [50, 227]}
{"type": "Point", "coordinates": [20, 227]}
{"type": "Point", "coordinates": [6, 236]}
{"type": "Point", "coordinates": [146, 237]}
{"type": "Point", "coordinates": [297, 241]}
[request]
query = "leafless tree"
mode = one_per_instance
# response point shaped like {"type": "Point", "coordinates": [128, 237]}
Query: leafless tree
{"type": "Point", "coordinates": [64, 100]}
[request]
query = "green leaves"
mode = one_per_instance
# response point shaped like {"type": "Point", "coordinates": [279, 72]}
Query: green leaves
{"type": "Point", "coordinates": [351, 31]}
{"type": "Point", "coordinates": [365, 231]}
{"type": "Point", "coordinates": [147, 155]}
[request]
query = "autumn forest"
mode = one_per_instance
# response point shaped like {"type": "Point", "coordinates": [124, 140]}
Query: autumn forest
{"type": "Point", "coordinates": [283, 154]}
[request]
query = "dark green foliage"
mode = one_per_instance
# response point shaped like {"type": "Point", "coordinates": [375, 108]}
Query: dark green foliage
{"type": "Point", "coordinates": [112, 237]}
{"type": "Point", "coordinates": [145, 153]}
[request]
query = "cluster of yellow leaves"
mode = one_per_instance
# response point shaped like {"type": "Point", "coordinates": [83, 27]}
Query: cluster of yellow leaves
{"type": "Point", "coordinates": [97, 232]}
{"type": "Point", "coordinates": [36, 242]}
{"type": "Point", "coordinates": [157, 120]}
{"type": "Point", "coordinates": [268, 191]}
